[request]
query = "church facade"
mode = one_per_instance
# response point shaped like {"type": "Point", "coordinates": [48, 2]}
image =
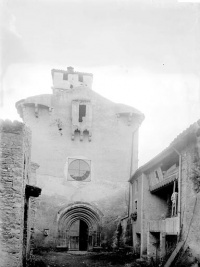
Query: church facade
{"type": "Point", "coordinates": [87, 149]}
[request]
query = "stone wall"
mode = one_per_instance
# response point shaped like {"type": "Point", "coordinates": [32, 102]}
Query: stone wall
{"type": "Point", "coordinates": [32, 212]}
{"type": "Point", "coordinates": [14, 148]}
{"type": "Point", "coordinates": [15, 171]}
{"type": "Point", "coordinates": [190, 200]}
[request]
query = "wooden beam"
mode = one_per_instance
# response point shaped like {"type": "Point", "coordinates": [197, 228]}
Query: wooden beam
{"type": "Point", "coordinates": [174, 253]}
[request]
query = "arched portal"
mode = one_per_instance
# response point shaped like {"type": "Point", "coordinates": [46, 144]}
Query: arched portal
{"type": "Point", "coordinates": [79, 226]}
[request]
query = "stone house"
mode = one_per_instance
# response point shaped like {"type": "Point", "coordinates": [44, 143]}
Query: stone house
{"type": "Point", "coordinates": [17, 194]}
{"type": "Point", "coordinates": [165, 199]}
{"type": "Point", "coordinates": [87, 147]}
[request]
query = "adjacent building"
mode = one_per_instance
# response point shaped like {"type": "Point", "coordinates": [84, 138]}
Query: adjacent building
{"type": "Point", "coordinates": [165, 199]}
{"type": "Point", "coordinates": [87, 149]}
{"type": "Point", "coordinates": [17, 194]}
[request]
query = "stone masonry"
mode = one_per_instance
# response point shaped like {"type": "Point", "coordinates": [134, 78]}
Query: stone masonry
{"type": "Point", "coordinates": [15, 175]}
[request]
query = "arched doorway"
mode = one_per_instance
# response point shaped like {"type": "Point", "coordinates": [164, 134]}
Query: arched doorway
{"type": "Point", "coordinates": [79, 227]}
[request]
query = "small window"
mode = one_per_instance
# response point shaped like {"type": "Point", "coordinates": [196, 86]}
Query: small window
{"type": "Point", "coordinates": [80, 78]}
{"type": "Point", "coordinates": [157, 176]}
{"type": "Point", "coordinates": [136, 205]}
{"type": "Point", "coordinates": [136, 186]}
{"type": "Point", "coordinates": [65, 76]}
{"type": "Point", "coordinates": [82, 112]}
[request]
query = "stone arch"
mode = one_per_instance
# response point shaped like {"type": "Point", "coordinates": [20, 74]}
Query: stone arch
{"type": "Point", "coordinates": [79, 212]}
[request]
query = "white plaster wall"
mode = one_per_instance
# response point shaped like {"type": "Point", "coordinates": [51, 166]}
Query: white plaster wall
{"type": "Point", "coordinates": [58, 81]}
{"type": "Point", "coordinates": [109, 151]}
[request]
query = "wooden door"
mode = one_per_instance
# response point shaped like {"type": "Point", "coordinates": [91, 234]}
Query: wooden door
{"type": "Point", "coordinates": [74, 242]}
{"type": "Point", "coordinates": [74, 236]}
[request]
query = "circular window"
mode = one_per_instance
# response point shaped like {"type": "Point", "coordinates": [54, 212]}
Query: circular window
{"type": "Point", "coordinates": [79, 170]}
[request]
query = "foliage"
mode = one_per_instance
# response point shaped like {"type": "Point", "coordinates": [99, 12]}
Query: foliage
{"type": "Point", "coordinates": [195, 173]}
{"type": "Point", "coordinates": [128, 233]}
{"type": "Point", "coordinates": [134, 216]}
{"type": "Point", "coordinates": [185, 259]}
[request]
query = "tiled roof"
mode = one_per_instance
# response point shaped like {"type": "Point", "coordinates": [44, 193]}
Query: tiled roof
{"type": "Point", "coordinates": [151, 162]}
{"type": "Point", "coordinates": [121, 108]}
{"type": "Point", "coordinates": [180, 140]}
{"type": "Point", "coordinates": [189, 131]}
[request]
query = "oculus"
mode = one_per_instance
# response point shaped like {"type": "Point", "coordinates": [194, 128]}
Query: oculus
{"type": "Point", "coordinates": [79, 169]}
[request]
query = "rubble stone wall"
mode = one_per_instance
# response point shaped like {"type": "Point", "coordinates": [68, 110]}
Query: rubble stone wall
{"type": "Point", "coordinates": [190, 201]}
{"type": "Point", "coordinates": [14, 169]}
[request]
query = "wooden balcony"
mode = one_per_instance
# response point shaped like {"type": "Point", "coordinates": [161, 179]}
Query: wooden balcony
{"type": "Point", "coordinates": [169, 226]}
{"type": "Point", "coordinates": [166, 179]}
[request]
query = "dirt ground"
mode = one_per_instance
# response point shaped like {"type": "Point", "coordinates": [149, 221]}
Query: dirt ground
{"type": "Point", "coordinates": [66, 259]}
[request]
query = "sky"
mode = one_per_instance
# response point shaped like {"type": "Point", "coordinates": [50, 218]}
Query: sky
{"type": "Point", "coordinates": [145, 54]}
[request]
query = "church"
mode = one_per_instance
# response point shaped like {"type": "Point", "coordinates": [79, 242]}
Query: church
{"type": "Point", "coordinates": [86, 148]}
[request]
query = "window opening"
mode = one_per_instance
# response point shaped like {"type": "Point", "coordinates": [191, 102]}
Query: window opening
{"type": "Point", "coordinates": [79, 170]}
{"type": "Point", "coordinates": [136, 205]}
{"type": "Point", "coordinates": [82, 112]}
{"type": "Point", "coordinates": [136, 186]}
{"type": "Point", "coordinates": [80, 78]}
{"type": "Point", "coordinates": [157, 177]}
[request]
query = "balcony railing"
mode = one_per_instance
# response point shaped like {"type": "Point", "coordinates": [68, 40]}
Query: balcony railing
{"type": "Point", "coordinates": [167, 179]}
{"type": "Point", "coordinates": [168, 226]}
